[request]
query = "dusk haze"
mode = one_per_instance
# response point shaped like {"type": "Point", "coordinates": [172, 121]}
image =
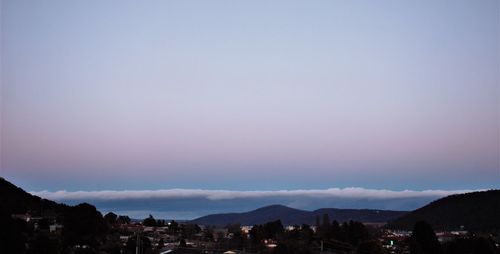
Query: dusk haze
{"type": "Point", "coordinates": [181, 109]}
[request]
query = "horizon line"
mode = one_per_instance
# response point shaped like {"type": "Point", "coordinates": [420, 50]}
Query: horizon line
{"type": "Point", "coordinates": [183, 193]}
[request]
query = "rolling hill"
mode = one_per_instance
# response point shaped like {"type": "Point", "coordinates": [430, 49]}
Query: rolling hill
{"type": "Point", "coordinates": [291, 216]}
{"type": "Point", "coordinates": [15, 200]}
{"type": "Point", "coordinates": [475, 211]}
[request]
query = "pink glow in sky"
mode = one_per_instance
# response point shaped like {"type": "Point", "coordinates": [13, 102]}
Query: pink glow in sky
{"type": "Point", "coordinates": [218, 94]}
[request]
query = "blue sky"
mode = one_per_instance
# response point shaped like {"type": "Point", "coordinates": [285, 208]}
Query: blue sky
{"type": "Point", "coordinates": [254, 95]}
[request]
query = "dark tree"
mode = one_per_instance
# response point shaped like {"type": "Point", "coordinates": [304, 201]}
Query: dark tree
{"type": "Point", "coordinates": [113, 244]}
{"type": "Point", "coordinates": [233, 228]}
{"type": "Point", "coordinates": [306, 233]}
{"type": "Point", "coordinates": [110, 218]}
{"type": "Point", "coordinates": [43, 244]}
{"type": "Point", "coordinates": [208, 233]}
{"type": "Point", "coordinates": [318, 222]}
{"type": "Point", "coordinates": [160, 223]}
{"type": "Point", "coordinates": [372, 247]}
{"type": "Point", "coordinates": [423, 240]}
{"type": "Point", "coordinates": [161, 243]}
{"type": "Point", "coordinates": [149, 221]}
{"type": "Point", "coordinates": [43, 224]}
{"type": "Point", "coordinates": [270, 230]}
{"type": "Point", "coordinates": [273, 229]}
{"type": "Point", "coordinates": [237, 241]}
{"type": "Point", "coordinates": [83, 225]}
{"type": "Point", "coordinates": [189, 230]}
{"type": "Point", "coordinates": [326, 221]}
{"type": "Point", "coordinates": [123, 219]}
{"type": "Point", "coordinates": [12, 234]}
{"type": "Point", "coordinates": [336, 230]}
{"type": "Point", "coordinates": [324, 228]}
{"type": "Point", "coordinates": [182, 243]}
{"type": "Point", "coordinates": [173, 227]}
{"type": "Point", "coordinates": [355, 232]}
{"type": "Point", "coordinates": [281, 249]}
{"type": "Point", "coordinates": [257, 234]}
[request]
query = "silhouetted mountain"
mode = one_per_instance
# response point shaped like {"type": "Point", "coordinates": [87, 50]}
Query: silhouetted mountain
{"type": "Point", "coordinates": [82, 224]}
{"type": "Point", "coordinates": [475, 211]}
{"type": "Point", "coordinates": [291, 216]}
{"type": "Point", "coordinates": [15, 200]}
{"type": "Point", "coordinates": [258, 216]}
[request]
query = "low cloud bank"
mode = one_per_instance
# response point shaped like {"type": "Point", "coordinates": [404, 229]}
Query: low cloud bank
{"type": "Point", "coordinates": [348, 193]}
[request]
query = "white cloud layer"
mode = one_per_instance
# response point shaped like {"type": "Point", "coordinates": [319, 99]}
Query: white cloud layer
{"type": "Point", "coordinates": [349, 193]}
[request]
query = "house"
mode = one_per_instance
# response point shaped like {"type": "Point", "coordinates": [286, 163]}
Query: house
{"type": "Point", "coordinates": [55, 228]}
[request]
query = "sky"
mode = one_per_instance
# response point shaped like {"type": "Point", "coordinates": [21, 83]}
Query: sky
{"type": "Point", "coordinates": [250, 95]}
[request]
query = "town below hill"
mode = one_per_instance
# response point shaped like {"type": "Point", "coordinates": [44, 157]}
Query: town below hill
{"type": "Point", "coordinates": [34, 225]}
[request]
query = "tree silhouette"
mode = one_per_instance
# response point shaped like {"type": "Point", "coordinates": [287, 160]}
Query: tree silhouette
{"type": "Point", "coordinates": [83, 225]}
{"type": "Point", "coordinates": [355, 232]}
{"type": "Point", "coordinates": [423, 240]}
{"type": "Point", "coordinates": [182, 243]}
{"type": "Point", "coordinates": [123, 219]}
{"type": "Point", "coordinates": [372, 247]}
{"type": "Point", "coordinates": [161, 243]}
{"type": "Point", "coordinates": [335, 230]}
{"type": "Point", "coordinates": [173, 227]}
{"type": "Point", "coordinates": [12, 234]}
{"type": "Point", "coordinates": [110, 218]}
{"type": "Point", "coordinates": [149, 221]}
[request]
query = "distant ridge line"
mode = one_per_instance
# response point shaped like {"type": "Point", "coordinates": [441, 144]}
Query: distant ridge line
{"type": "Point", "coordinates": [292, 216]}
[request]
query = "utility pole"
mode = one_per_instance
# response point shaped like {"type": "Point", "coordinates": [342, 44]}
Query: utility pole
{"type": "Point", "coordinates": [321, 246]}
{"type": "Point", "coordinates": [137, 242]}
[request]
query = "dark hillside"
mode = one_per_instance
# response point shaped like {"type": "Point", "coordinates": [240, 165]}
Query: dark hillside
{"type": "Point", "coordinates": [15, 200]}
{"type": "Point", "coordinates": [476, 211]}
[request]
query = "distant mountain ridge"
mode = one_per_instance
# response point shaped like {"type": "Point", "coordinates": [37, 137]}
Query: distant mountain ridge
{"type": "Point", "coordinates": [475, 211]}
{"type": "Point", "coordinates": [292, 216]}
